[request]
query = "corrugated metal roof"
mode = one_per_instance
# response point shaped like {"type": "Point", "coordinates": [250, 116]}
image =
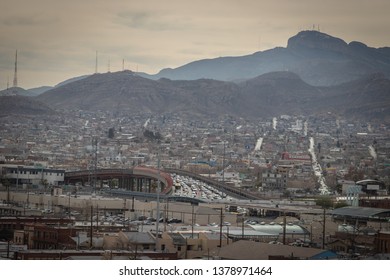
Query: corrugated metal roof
{"type": "Point", "coordinates": [275, 229]}
{"type": "Point", "coordinates": [362, 212]}
{"type": "Point", "coordinates": [251, 232]}
{"type": "Point", "coordinates": [140, 237]}
{"type": "Point", "coordinates": [177, 238]}
{"type": "Point", "coordinates": [249, 250]}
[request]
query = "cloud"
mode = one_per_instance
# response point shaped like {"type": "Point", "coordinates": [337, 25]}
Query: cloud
{"type": "Point", "coordinates": [63, 35]}
{"type": "Point", "coordinates": [27, 21]}
{"type": "Point", "coordinates": [151, 21]}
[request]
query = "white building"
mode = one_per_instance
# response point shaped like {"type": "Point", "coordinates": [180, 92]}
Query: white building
{"type": "Point", "coordinates": [21, 175]}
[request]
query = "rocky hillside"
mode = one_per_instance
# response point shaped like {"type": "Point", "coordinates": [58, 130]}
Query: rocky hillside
{"type": "Point", "coordinates": [319, 59]}
{"type": "Point", "coordinates": [271, 94]}
{"type": "Point", "coordinates": [22, 105]}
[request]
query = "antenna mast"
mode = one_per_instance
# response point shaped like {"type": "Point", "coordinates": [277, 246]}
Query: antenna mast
{"type": "Point", "coordinates": [96, 63]}
{"type": "Point", "coordinates": [16, 70]}
{"type": "Point", "coordinates": [15, 84]}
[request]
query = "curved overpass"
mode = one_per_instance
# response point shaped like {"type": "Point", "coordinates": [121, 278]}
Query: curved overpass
{"type": "Point", "coordinates": [144, 179]}
{"type": "Point", "coordinates": [139, 178]}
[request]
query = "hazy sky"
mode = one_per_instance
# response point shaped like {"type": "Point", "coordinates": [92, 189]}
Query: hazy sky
{"type": "Point", "coordinates": [57, 40]}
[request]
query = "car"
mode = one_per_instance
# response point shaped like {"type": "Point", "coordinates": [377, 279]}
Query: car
{"type": "Point", "coordinates": [174, 221]}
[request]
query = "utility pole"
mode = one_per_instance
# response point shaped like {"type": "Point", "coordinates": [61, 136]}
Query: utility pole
{"type": "Point", "coordinates": [220, 228]}
{"type": "Point", "coordinates": [284, 228]}
{"type": "Point", "coordinates": [223, 164]}
{"type": "Point", "coordinates": [90, 245]}
{"type": "Point", "coordinates": [28, 195]}
{"type": "Point", "coordinates": [323, 230]}
{"type": "Point", "coordinates": [192, 221]}
{"type": "Point", "coordinates": [8, 249]}
{"type": "Point", "coordinates": [242, 226]}
{"type": "Point", "coordinates": [97, 217]}
{"type": "Point", "coordinates": [8, 193]}
{"type": "Point", "coordinates": [95, 150]}
{"type": "Point", "coordinates": [69, 205]}
{"type": "Point", "coordinates": [158, 201]}
{"type": "Point", "coordinates": [165, 217]}
{"type": "Point", "coordinates": [17, 177]}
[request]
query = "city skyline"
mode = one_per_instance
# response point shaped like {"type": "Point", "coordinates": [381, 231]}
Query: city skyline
{"type": "Point", "coordinates": [59, 40]}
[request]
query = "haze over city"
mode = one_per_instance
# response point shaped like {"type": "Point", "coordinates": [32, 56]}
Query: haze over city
{"type": "Point", "coordinates": [210, 130]}
{"type": "Point", "coordinates": [58, 40]}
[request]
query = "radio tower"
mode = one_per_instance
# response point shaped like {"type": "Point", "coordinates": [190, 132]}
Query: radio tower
{"type": "Point", "coordinates": [15, 84]}
{"type": "Point", "coordinates": [96, 63]}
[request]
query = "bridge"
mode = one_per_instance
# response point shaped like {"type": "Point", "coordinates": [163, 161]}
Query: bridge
{"type": "Point", "coordinates": [138, 179]}
{"type": "Point", "coordinates": [153, 196]}
{"type": "Point", "coordinates": [232, 191]}
{"type": "Point", "coordinates": [142, 181]}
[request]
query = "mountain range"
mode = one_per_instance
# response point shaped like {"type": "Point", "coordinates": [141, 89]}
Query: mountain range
{"type": "Point", "coordinates": [319, 59]}
{"type": "Point", "coordinates": [267, 95]}
{"type": "Point", "coordinates": [22, 105]}
{"type": "Point", "coordinates": [315, 74]}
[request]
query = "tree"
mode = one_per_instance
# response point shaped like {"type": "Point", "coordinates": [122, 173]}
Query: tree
{"type": "Point", "coordinates": [111, 133]}
{"type": "Point", "coordinates": [45, 184]}
{"type": "Point", "coordinates": [152, 135]}
{"type": "Point", "coordinates": [354, 174]}
{"type": "Point", "coordinates": [340, 204]}
{"type": "Point", "coordinates": [6, 234]}
{"type": "Point", "coordinates": [324, 201]}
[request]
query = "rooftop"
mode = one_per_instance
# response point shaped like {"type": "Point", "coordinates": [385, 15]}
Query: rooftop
{"type": "Point", "coordinates": [250, 250]}
{"type": "Point", "coordinates": [361, 212]}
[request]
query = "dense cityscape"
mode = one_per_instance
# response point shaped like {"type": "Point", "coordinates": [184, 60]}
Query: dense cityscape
{"type": "Point", "coordinates": [194, 139]}
{"type": "Point", "coordinates": [279, 183]}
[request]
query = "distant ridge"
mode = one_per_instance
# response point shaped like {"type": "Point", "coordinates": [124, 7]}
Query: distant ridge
{"type": "Point", "coordinates": [16, 91]}
{"type": "Point", "coordinates": [318, 58]}
{"type": "Point", "coordinates": [70, 80]}
{"type": "Point", "coordinates": [22, 105]}
{"type": "Point", "coordinates": [39, 90]}
{"type": "Point", "coordinates": [315, 74]}
{"type": "Point", "coordinates": [267, 95]}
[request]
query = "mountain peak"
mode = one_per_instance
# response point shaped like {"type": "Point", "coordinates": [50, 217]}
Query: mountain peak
{"type": "Point", "coordinates": [316, 40]}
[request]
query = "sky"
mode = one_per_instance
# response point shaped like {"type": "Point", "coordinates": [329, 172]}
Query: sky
{"type": "Point", "coordinates": [57, 40]}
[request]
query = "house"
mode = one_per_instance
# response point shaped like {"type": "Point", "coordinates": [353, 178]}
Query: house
{"type": "Point", "coordinates": [83, 241]}
{"type": "Point", "coordinates": [138, 241]}
{"type": "Point", "coordinates": [191, 245]}
{"type": "Point", "coordinates": [383, 242]}
{"type": "Point", "coordinates": [250, 250]}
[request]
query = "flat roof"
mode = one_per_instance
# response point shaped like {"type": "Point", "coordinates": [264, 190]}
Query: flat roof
{"type": "Point", "coordinates": [361, 212]}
